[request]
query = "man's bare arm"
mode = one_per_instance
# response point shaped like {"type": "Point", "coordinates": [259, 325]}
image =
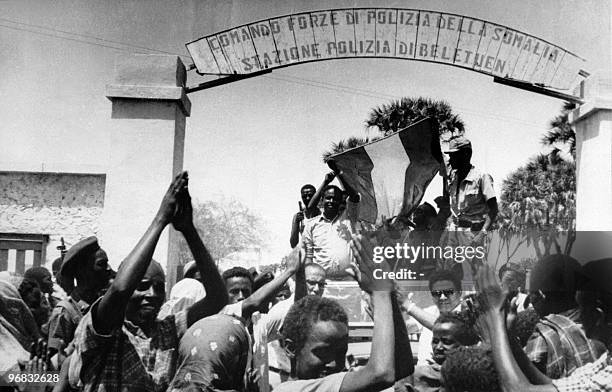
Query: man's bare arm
{"type": "Point", "coordinates": [110, 312]}
{"type": "Point", "coordinates": [511, 378]}
{"type": "Point", "coordinates": [216, 294]}
{"type": "Point", "coordinates": [295, 230]}
{"type": "Point", "coordinates": [491, 214]}
{"type": "Point", "coordinates": [404, 365]}
{"type": "Point", "coordinates": [350, 191]}
{"type": "Point", "coordinates": [379, 372]}
{"type": "Point", "coordinates": [314, 202]}
{"type": "Point", "coordinates": [252, 303]}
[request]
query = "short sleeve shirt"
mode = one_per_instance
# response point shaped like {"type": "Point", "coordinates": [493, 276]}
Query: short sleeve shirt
{"type": "Point", "coordinates": [592, 377]}
{"type": "Point", "coordinates": [470, 203]}
{"type": "Point", "coordinates": [268, 330]}
{"type": "Point", "coordinates": [331, 383]}
{"type": "Point", "coordinates": [327, 241]}
{"type": "Point", "coordinates": [126, 359]}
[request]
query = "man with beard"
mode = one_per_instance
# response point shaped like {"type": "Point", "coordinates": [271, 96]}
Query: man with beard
{"type": "Point", "coordinates": [326, 237]}
{"type": "Point", "coordinates": [86, 262]}
{"type": "Point", "coordinates": [297, 224]}
{"type": "Point", "coordinates": [120, 344]}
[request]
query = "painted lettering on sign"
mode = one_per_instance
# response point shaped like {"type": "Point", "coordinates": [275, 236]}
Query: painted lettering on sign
{"type": "Point", "coordinates": [459, 40]}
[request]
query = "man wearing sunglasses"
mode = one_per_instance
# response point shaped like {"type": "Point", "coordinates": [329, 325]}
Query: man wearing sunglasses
{"type": "Point", "coordinates": [445, 289]}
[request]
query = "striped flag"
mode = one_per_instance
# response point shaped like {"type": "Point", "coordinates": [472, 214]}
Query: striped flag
{"type": "Point", "coordinates": [391, 174]}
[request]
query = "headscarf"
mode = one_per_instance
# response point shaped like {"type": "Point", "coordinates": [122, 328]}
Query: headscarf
{"type": "Point", "coordinates": [11, 277]}
{"type": "Point", "coordinates": [185, 293]}
{"type": "Point", "coordinates": [15, 316]}
{"type": "Point", "coordinates": [213, 356]}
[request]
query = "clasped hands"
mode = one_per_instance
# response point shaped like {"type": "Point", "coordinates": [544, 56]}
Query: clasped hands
{"type": "Point", "coordinates": [176, 205]}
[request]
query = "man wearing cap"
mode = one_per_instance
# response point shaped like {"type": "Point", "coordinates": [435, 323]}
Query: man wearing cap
{"type": "Point", "coordinates": [473, 203]}
{"type": "Point", "coordinates": [88, 264]}
{"type": "Point", "coordinates": [121, 345]}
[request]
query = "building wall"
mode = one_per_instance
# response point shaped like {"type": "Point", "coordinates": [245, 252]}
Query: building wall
{"type": "Point", "coordinates": [56, 204]}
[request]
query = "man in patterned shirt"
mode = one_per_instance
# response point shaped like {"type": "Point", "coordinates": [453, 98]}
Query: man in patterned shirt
{"type": "Point", "coordinates": [559, 344]}
{"type": "Point", "coordinates": [120, 345]}
{"type": "Point", "coordinates": [516, 372]}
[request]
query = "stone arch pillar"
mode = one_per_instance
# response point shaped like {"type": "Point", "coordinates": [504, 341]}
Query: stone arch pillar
{"type": "Point", "coordinates": [147, 135]}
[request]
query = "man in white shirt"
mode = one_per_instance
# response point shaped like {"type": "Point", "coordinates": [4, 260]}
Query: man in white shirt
{"type": "Point", "coordinates": [326, 237]}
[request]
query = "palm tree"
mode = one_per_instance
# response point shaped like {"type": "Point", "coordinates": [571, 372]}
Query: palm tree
{"type": "Point", "coordinates": [398, 114]}
{"type": "Point", "coordinates": [347, 144]}
{"type": "Point", "coordinates": [401, 113]}
{"type": "Point", "coordinates": [538, 201]}
{"type": "Point", "coordinates": [561, 132]}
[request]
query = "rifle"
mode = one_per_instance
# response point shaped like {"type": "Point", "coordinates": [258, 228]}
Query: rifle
{"type": "Point", "coordinates": [62, 249]}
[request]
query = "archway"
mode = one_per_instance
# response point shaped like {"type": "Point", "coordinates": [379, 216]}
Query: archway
{"type": "Point", "coordinates": [408, 34]}
{"type": "Point", "coordinates": [495, 50]}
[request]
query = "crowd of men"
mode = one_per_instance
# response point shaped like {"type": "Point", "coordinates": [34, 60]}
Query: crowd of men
{"type": "Point", "coordinates": [101, 330]}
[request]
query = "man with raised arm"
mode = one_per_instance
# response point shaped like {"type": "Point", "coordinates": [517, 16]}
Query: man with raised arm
{"type": "Point", "coordinates": [306, 212]}
{"type": "Point", "coordinates": [516, 372]}
{"type": "Point", "coordinates": [120, 345]}
{"type": "Point", "coordinates": [326, 237]}
{"type": "Point", "coordinates": [316, 337]}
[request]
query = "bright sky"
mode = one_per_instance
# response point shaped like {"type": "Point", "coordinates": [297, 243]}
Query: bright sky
{"type": "Point", "coordinates": [260, 139]}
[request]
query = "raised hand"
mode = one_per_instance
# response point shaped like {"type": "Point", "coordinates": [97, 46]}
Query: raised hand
{"type": "Point", "coordinates": [512, 313]}
{"type": "Point", "coordinates": [295, 263]}
{"type": "Point", "coordinates": [492, 297]}
{"type": "Point", "coordinates": [169, 204]}
{"type": "Point", "coordinates": [364, 268]}
{"type": "Point", "coordinates": [183, 217]}
{"type": "Point", "coordinates": [299, 217]}
{"type": "Point", "coordinates": [329, 177]}
{"type": "Point", "coordinates": [406, 302]}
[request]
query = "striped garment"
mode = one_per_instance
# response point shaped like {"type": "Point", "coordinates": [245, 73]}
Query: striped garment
{"type": "Point", "coordinates": [559, 342]}
{"type": "Point", "coordinates": [593, 377]}
{"type": "Point", "coordinates": [127, 359]}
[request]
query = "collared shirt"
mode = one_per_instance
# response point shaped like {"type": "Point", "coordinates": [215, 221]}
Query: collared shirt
{"type": "Point", "coordinates": [64, 320]}
{"type": "Point", "coordinates": [126, 360]}
{"type": "Point", "coordinates": [326, 241]}
{"type": "Point", "coordinates": [592, 377]}
{"type": "Point", "coordinates": [470, 203]}
{"type": "Point", "coordinates": [560, 343]}
{"type": "Point", "coordinates": [331, 383]}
